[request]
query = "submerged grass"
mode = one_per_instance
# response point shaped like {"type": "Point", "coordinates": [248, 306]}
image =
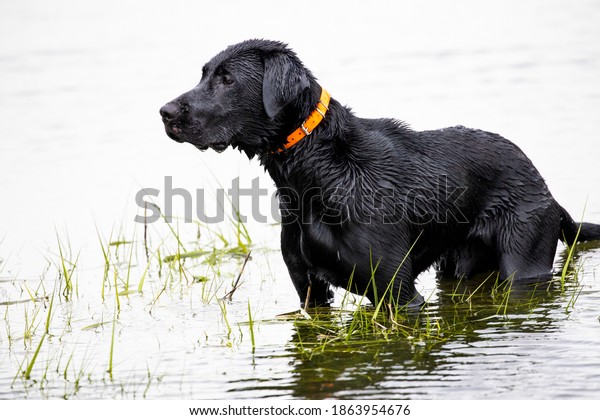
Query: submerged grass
{"type": "Point", "coordinates": [340, 329]}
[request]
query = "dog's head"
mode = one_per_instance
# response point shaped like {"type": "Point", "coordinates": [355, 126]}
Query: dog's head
{"type": "Point", "coordinates": [247, 96]}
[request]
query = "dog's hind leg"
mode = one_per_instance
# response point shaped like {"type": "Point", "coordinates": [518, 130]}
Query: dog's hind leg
{"type": "Point", "coordinates": [470, 258]}
{"type": "Point", "coordinates": [526, 244]}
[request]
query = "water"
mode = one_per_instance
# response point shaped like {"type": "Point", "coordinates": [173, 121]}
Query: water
{"type": "Point", "coordinates": [81, 87]}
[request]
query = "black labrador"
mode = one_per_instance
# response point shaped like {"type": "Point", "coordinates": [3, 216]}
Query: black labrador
{"type": "Point", "coordinates": [368, 204]}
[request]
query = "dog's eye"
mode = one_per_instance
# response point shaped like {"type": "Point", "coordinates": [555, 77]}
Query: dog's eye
{"type": "Point", "coordinates": [227, 79]}
{"type": "Point", "coordinates": [224, 76]}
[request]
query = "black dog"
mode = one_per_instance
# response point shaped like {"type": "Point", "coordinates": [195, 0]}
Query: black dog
{"type": "Point", "coordinates": [368, 204]}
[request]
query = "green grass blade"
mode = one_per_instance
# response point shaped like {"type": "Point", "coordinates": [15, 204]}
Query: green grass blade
{"type": "Point", "coordinates": [251, 325]}
{"type": "Point", "coordinates": [27, 373]}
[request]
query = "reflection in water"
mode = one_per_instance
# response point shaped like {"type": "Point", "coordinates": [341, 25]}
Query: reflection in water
{"type": "Point", "coordinates": [346, 368]}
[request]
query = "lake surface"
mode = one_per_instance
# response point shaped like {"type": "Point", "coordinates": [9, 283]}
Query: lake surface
{"type": "Point", "coordinates": [95, 305]}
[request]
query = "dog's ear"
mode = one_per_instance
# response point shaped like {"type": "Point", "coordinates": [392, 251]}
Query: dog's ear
{"type": "Point", "coordinates": [283, 81]}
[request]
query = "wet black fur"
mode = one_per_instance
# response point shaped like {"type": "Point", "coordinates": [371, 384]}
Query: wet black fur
{"type": "Point", "coordinates": [368, 204]}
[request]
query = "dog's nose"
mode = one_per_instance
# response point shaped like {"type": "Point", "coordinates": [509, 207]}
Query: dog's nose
{"type": "Point", "coordinates": [170, 111]}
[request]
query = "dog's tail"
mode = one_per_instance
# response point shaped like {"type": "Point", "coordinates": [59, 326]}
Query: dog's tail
{"type": "Point", "coordinates": [571, 231]}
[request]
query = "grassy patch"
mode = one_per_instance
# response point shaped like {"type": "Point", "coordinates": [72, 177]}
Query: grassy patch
{"type": "Point", "coordinates": [63, 326]}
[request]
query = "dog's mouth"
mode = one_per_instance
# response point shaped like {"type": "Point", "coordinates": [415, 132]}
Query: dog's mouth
{"type": "Point", "coordinates": [217, 147]}
{"type": "Point", "coordinates": [177, 133]}
{"type": "Point", "coordinates": [174, 132]}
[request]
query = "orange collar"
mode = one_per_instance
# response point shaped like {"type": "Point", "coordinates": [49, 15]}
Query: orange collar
{"type": "Point", "coordinates": [310, 123]}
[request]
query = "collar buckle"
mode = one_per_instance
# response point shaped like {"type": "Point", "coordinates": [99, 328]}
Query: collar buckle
{"type": "Point", "coordinates": [305, 130]}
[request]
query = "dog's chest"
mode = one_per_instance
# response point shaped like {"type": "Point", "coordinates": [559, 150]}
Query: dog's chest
{"type": "Point", "coordinates": [319, 246]}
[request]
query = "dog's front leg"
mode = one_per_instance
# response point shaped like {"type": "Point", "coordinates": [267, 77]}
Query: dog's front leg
{"type": "Point", "coordinates": [311, 290]}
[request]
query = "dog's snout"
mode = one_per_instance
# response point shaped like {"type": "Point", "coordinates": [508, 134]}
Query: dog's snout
{"type": "Point", "coordinates": [170, 110]}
